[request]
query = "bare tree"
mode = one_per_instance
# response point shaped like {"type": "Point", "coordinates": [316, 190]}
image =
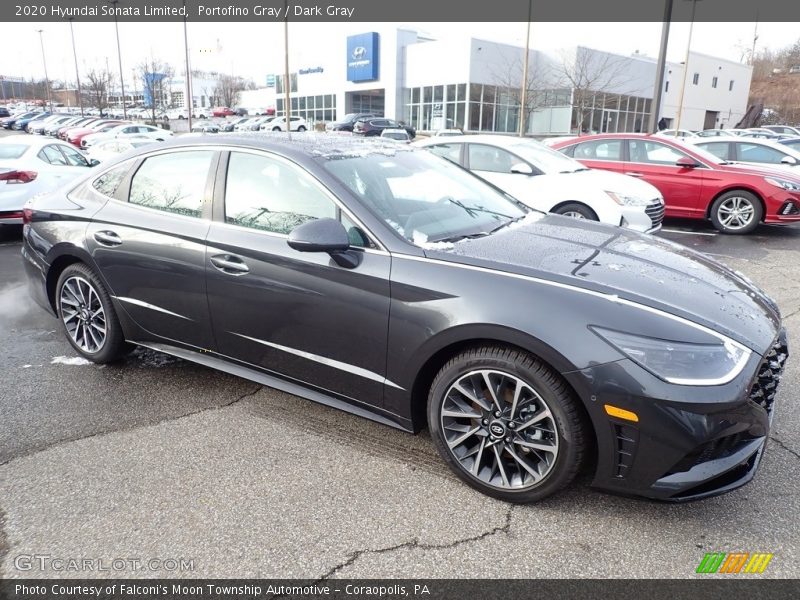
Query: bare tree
{"type": "Point", "coordinates": [98, 84]}
{"type": "Point", "coordinates": [228, 88]}
{"type": "Point", "coordinates": [508, 77]}
{"type": "Point", "coordinates": [590, 73]}
{"type": "Point", "coordinates": [155, 76]}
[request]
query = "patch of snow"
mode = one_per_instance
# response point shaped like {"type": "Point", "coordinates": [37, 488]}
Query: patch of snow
{"type": "Point", "coordinates": [75, 360]}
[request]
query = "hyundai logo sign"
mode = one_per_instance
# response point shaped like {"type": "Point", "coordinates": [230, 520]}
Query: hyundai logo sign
{"type": "Point", "coordinates": [363, 57]}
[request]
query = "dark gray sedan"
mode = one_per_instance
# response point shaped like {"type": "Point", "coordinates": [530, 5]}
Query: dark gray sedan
{"type": "Point", "coordinates": [393, 284]}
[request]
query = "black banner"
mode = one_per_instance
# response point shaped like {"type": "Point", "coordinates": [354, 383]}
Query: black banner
{"type": "Point", "coordinates": [402, 11]}
{"type": "Point", "coordinates": [717, 587]}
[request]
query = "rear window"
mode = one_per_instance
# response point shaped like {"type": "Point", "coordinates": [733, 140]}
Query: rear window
{"type": "Point", "coordinates": [9, 151]}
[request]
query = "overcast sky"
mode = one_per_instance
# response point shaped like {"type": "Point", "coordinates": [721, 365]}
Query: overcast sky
{"type": "Point", "coordinates": [255, 49]}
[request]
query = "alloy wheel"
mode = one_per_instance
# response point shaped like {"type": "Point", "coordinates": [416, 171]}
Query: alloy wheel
{"type": "Point", "coordinates": [499, 429]}
{"type": "Point", "coordinates": [574, 214]}
{"type": "Point", "coordinates": [736, 212]}
{"type": "Point", "coordinates": [83, 314]}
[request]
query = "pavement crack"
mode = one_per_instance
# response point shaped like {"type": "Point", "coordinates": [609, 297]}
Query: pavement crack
{"type": "Point", "coordinates": [791, 314]}
{"type": "Point", "coordinates": [416, 544]}
{"type": "Point", "coordinates": [785, 447]}
{"type": "Point", "coordinates": [132, 428]}
{"type": "Point", "coordinates": [4, 545]}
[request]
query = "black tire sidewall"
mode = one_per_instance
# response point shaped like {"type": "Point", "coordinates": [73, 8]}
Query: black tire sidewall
{"type": "Point", "coordinates": [115, 343]}
{"type": "Point", "coordinates": [587, 212]}
{"type": "Point", "coordinates": [757, 214]}
{"type": "Point", "coordinates": [539, 378]}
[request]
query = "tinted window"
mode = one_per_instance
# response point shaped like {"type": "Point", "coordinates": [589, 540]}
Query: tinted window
{"type": "Point", "coordinates": [109, 181]}
{"type": "Point", "coordinates": [488, 158]}
{"type": "Point", "coordinates": [654, 152]}
{"type": "Point", "coordinates": [74, 158]}
{"type": "Point", "coordinates": [173, 182]}
{"type": "Point", "coordinates": [756, 153]}
{"type": "Point", "coordinates": [50, 154]}
{"type": "Point", "coordinates": [718, 149]}
{"type": "Point", "coordinates": [449, 151]}
{"type": "Point", "coordinates": [599, 150]}
{"type": "Point", "coordinates": [268, 194]}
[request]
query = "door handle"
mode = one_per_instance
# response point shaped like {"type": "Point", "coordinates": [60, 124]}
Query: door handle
{"type": "Point", "coordinates": [228, 263]}
{"type": "Point", "coordinates": [107, 238]}
{"type": "Point", "coordinates": [634, 174]}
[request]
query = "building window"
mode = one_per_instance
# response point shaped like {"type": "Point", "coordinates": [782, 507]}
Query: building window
{"type": "Point", "coordinates": [730, 86]}
{"type": "Point", "coordinates": [696, 78]}
{"type": "Point", "coordinates": [714, 82]}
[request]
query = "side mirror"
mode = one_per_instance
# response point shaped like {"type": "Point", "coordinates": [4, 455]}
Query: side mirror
{"type": "Point", "coordinates": [686, 162]}
{"type": "Point", "coordinates": [319, 235]}
{"type": "Point", "coordinates": [94, 162]}
{"type": "Point", "coordinates": [788, 160]}
{"type": "Point", "coordinates": [522, 169]}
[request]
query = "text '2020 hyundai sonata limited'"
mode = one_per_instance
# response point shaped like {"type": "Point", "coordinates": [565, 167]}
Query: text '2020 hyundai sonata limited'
{"type": "Point", "coordinates": [394, 284]}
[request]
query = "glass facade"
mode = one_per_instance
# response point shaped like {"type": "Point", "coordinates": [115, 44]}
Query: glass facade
{"type": "Point", "coordinates": [612, 113]}
{"type": "Point", "coordinates": [311, 108]}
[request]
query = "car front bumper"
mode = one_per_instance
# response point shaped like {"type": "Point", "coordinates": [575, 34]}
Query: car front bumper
{"type": "Point", "coordinates": [689, 442]}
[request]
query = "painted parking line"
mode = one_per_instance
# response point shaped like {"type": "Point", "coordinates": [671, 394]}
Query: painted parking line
{"type": "Point", "coordinates": [688, 232]}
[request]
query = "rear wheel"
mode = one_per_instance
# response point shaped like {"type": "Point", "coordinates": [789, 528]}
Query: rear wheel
{"type": "Point", "coordinates": [506, 424]}
{"type": "Point", "coordinates": [276, 129]}
{"type": "Point", "coordinates": [301, 128]}
{"type": "Point", "coordinates": [576, 211]}
{"type": "Point", "coordinates": [87, 314]}
{"type": "Point", "coordinates": [737, 211]}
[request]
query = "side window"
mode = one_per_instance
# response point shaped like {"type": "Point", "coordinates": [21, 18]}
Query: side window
{"type": "Point", "coordinates": [489, 158]}
{"type": "Point", "coordinates": [271, 195]}
{"type": "Point", "coordinates": [599, 150]}
{"type": "Point", "coordinates": [451, 152]}
{"type": "Point", "coordinates": [74, 158]}
{"type": "Point", "coordinates": [357, 236]}
{"type": "Point", "coordinates": [109, 181]}
{"type": "Point", "coordinates": [50, 154]}
{"type": "Point", "coordinates": [654, 152]}
{"type": "Point", "coordinates": [756, 153]}
{"type": "Point", "coordinates": [131, 129]}
{"type": "Point", "coordinates": [718, 149]}
{"type": "Point", "coordinates": [173, 182]}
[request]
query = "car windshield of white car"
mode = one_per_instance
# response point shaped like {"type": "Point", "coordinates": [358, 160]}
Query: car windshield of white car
{"type": "Point", "coordinates": [546, 160]}
{"type": "Point", "coordinates": [423, 197]}
{"type": "Point", "coordinates": [11, 151]}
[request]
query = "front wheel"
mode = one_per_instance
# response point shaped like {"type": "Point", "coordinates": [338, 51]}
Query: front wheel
{"type": "Point", "coordinates": [506, 424]}
{"type": "Point", "coordinates": [301, 129]}
{"type": "Point", "coordinates": [85, 310]}
{"type": "Point", "coordinates": [737, 211]}
{"type": "Point", "coordinates": [576, 211]}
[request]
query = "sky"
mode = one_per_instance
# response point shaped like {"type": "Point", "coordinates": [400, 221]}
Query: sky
{"type": "Point", "coordinates": [254, 50]}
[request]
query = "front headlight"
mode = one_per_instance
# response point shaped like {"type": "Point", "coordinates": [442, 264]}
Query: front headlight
{"type": "Point", "coordinates": [624, 200]}
{"type": "Point", "coordinates": [784, 184]}
{"type": "Point", "coordinates": [682, 363]}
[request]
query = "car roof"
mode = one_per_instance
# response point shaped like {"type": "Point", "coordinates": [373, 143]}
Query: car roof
{"type": "Point", "coordinates": [34, 141]}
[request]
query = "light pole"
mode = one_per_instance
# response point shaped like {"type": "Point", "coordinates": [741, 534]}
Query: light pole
{"type": "Point", "coordinates": [75, 56]}
{"type": "Point", "coordinates": [685, 70]}
{"type": "Point", "coordinates": [524, 89]}
{"type": "Point", "coordinates": [189, 102]}
{"type": "Point", "coordinates": [287, 109]}
{"type": "Point", "coordinates": [119, 56]}
{"type": "Point", "coordinates": [44, 62]}
{"type": "Point", "coordinates": [661, 64]}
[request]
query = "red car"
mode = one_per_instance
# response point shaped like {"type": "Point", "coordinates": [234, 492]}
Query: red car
{"type": "Point", "coordinates": [694, 183]}
{"type": "Point", "coordinates": [222, 111]}
{"type": "Point", "coordinates": [76, 134]}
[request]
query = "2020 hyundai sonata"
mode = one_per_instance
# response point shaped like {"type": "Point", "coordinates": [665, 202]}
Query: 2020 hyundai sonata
{"type": "Point", "coordinates": [396, 285]}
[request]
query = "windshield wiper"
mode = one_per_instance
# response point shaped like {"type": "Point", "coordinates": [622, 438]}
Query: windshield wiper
{"type": "Point", "coordinates": [473, 210]}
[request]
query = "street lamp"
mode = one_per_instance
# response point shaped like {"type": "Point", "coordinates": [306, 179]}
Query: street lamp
{"type": "Point", "coordinates": [119, 56]}
{"type": "Point", "coordinates": [523, 92]}
{"type": "Point", "coordinates": [75, 56]}
{"type": "Point", "coordinates": [46, 78]}
{"type": "Point", "coordinates": [685, 70]}
{"type": "Point", "coordinates": [658, 89]}
{"type": "Point", "coordinates": [189, 97]}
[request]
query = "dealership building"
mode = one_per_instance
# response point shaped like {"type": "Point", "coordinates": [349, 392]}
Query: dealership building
{"type": "Point", "coordinates": [474, 85]}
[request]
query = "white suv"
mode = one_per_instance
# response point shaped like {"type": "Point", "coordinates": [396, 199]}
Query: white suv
{"type": "Point", "coordinates": [279, 124]}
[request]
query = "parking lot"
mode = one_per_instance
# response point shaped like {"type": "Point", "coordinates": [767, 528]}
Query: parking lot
{"type": "Point", "coordinates": [158, 458]}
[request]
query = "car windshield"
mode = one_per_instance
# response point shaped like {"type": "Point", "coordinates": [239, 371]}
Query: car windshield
{"type": "Point", "coordinates": [9, 151]}
{"type": "Point", "coordinates": [546, 160]}
{"type": "Point", "coordinates": [423, 197]}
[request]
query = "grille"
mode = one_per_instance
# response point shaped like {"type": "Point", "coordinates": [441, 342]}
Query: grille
{"type": "Point", "coordinates": [770, 370]}
{"type": "Point", "coordinates": [627, 439]}
{"type": "Point", "coordinates": [656, 213]}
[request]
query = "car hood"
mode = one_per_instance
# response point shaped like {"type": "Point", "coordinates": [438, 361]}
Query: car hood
{"type": "Point", "coordinates": [625, 264]}
{"type": "Point", "coordinates": [612, 182]}
{"type": "Point", "coordinates": [763, 170]}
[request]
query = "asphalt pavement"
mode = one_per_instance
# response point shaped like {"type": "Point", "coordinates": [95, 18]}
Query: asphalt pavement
{"type": "Point", "coordinates": [158, 458]}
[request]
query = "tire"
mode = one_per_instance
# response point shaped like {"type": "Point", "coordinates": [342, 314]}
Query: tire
{"type": "Point", "coordinates": [276, 129]}
{"type": "Point", "coordinates": [301, 129]}
{"type": "Point", "coordinates": [736, 212]}
{"type": "Point", "coordinates": [77, 283]}
{"type": "Point", "coordinates": [559, 433]}
{"type": "Point", "coordinates": [576, 211]}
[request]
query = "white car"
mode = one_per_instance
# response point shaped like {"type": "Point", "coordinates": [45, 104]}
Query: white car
{"type": "Point", "coordinates": [279, 124]}
{"type": "Point", "coordinates": [677, 133]}
{"type": "Point", "coordinates": [753, 151]}
{"type": "Point", "coordinates": [105, 150]}
{"type": "Point", "coordinates": [41, 126]}
{"type": "Point", "coordinates": [183, 113]}
{"type": "Point", "coordinates": [551, 182]}
{"type": "Point", "coordinates": [128, 130]}
{"type": "Point", "coordinates": [30, 165]}
{"type": "Point", "coordinates": [395, 134]}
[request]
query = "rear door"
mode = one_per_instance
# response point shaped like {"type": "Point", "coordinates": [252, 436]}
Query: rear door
{"type": "Point", "coordinates": [604, 154]}
{"type": "Point", "coordinates": [149, 242]}
{"type": "Point", "coordinates": [655, 162]}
